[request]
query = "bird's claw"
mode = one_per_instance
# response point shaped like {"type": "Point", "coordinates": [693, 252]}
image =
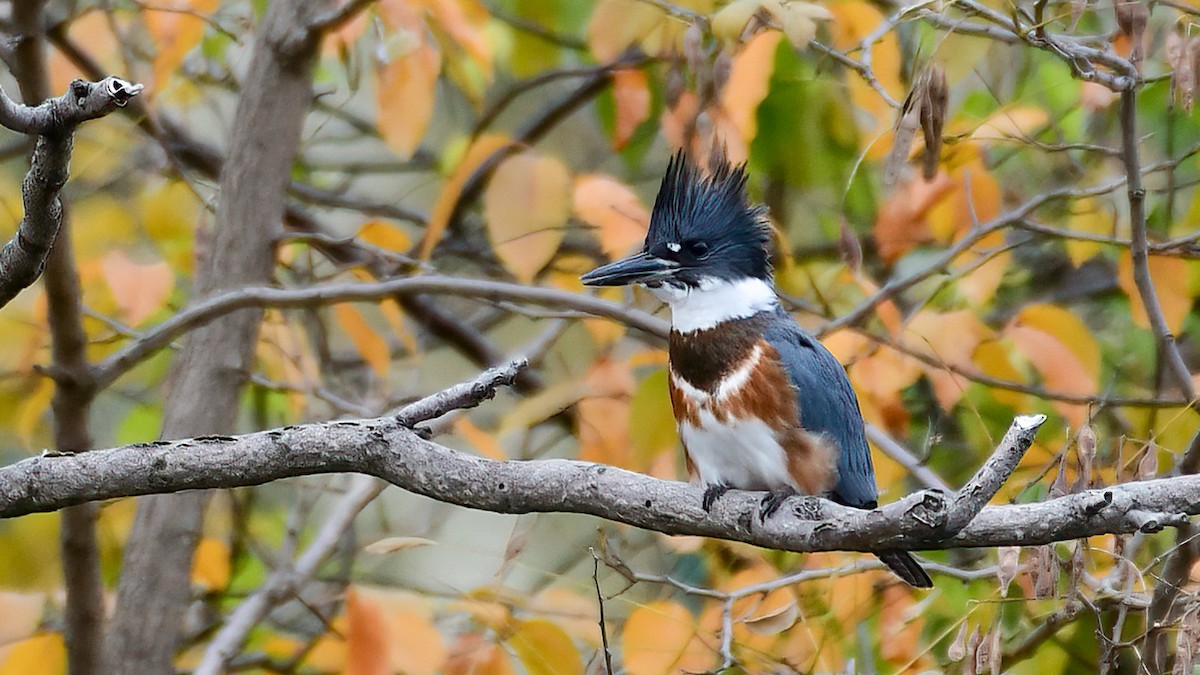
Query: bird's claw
{"type": "Point", "coordinates": [712, 493]}
{"type": "Point", "coordinates": [771, 503]}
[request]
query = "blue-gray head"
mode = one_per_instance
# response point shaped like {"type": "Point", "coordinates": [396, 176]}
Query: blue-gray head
{"type": "Point", "coordinates": [702, 230]}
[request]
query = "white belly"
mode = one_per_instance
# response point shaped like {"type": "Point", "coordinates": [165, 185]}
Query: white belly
{"type": "Point", "coordinates": [743, 454]}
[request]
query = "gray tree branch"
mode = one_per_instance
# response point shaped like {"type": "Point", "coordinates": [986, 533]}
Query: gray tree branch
{"type": "Point", "coordinates": [24, 257]}
{"type": "Point", "coordinates": [388, 448]}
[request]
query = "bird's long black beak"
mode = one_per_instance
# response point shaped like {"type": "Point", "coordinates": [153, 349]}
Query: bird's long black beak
{"type": "Point", "coordinates": [636, 269]}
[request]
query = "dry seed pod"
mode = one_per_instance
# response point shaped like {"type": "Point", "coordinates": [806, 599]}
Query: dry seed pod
{"type": "Point", "coordinates": [721, 70]}
{"type": "Point", "coordinates": [1044, 570]}
{"type": "Point", "coordinates": [1179, 60]}
{"type": "Point", "coordinates": [906, 129]}
{"type": "Point", "coordinates": [958, 649]}
{"type": "Point", "coordinates": [936, 97]}
{"type": "Point", "coordinates": [1132, 16]}
{"type": "Point", "coordinates": [1085, 443]}
{"type": "Point", "coordinates": [1192, 56]}
{"type": "Point", "coordinates": [1009, 557]}
{"type": "Point", "coordinates": [973, 645]}
{"type": "Point", "coordinates": [1148, 467]}
{"type": "Point", "coordinates": [850, 247]}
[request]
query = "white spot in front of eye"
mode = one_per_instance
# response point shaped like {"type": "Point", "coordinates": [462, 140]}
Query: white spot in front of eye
{"type": "Point", "coordinates": [673, 247]}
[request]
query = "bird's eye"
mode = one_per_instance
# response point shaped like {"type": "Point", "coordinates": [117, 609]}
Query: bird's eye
{"type": "Point", "coordinates": [698, 249]}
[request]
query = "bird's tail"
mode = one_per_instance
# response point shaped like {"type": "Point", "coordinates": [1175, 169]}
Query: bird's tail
{"type": "Point", "coordinates": [906, 568]}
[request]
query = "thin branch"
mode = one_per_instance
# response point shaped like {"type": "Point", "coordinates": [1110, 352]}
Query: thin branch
{"type": "Point", "coordinates": [1168, 351]}
{"type": "Point", "coordinates": [219, 305]}
{"type": "Point", "coordinates": [24, 257]}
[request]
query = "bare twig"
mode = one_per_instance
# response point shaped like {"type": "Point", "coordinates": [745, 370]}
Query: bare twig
{"type": "Point", "coordinates": [1167, 350]}
{"type": "Point", "coordinates": [978, 491]}
{"type": "Point", "coordinates": [24, 256]}
{"type": "Point", "coordinates": [608, 665]}
{"type": "Point", "coordinates": [220, 305]}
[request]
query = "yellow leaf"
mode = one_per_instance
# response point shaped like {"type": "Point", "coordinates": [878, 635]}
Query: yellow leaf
{"type": "Point", "coordinates": [384, 235]}
{"type": "Point", "coordinates": [631, 93]}
{"type": "Point", "coordinates": [372, 347]}
{"type": "Point", "coordinates": [1170, 276]}
{"type": "Point", "coordinates": [175, 27]}
{"type": "Point", "coordinates": [950, 337]}
{"type": "Point", "coordinates": [660, 637]}
{"type": "Point", "coordinates": [210, 567]}
{"type": "Point", "coordinates": [650, 414]}
{"type": "Point", "coordinates": [618, 24]}
{"type": "Point", "coordinates": [992, 358]}
{"type": "Point", "coordinates": [525, 208]}
{"type": "Point", "coordinates": [730, 21]}
{"type": "Point", "coordinates": [1068, 328]}
{"type": "Point", "coordinates": [608, 205]}
{"type": "Point", "coordinates": [393, 544]}
{"type": "Point", "coordinates": [140, 289]}
{"type": "Point", "coordinates": [20, 615]}
{"type": "Point", "coordinates": [482, 150]}
{"type": "Point", "coordinates": [406, 84]}
{"type": "Point", "coordinates": [44, 654]}
{"type": "Point", "coordinates": [33, 405]}
{"type": "Point", "coordinates": [544, 648]}
{"type": "Point", "coordinates": [109, 225]}
{"type": "Point", "coordinates": [1088, 216]}
{"type": "Point", "coordinates": [168, 213]}
{"type": "Point", "coordinates": [1012, 122]}
{"type": "Point", "coordinates": [749, 81]}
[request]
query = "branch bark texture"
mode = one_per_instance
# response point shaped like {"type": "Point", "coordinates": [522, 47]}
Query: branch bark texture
{"type": "Point", "coordinates": [24, 257]}
{"type": "Point", "coordinates": [389, 449]}
{"type": "Point", "coordinates": [208, 375]}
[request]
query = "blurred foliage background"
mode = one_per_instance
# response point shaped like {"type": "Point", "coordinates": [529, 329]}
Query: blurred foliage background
{"type": "Point", "coordinates": [523, 141]}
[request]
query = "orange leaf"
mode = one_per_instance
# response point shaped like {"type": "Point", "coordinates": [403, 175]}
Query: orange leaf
{"type": "Point", "coordinates": [384, 235]}
{"type": "Point", "coordinates": [1068, 328]}
{"type": "Point", "coordinates": [372, 347]}
{"type": "Point", "coordinates": [139, 289]}
{"type": "Point", "coordinates": [603, 415]}
{"type": "Point", "coordinates": [525, 208]}
{"type": "Point", "coordinates": [631, 92]}
{"type": "Point", "coordinates": [473, 654]}
{"type": "Point", "coordinates": [1170, 276]}
{"type": "Point", "coordinates": [614, 210]}
{"type": "Point", "coordinates": [660, 637]}
{"type": "Point", "coordinates": [1060, 369]}
{"type": "Point", "coordinates": [749, 79]}
{"type": "Point", "coordinates": [174, 29]}
{"type": "Point", "coordinates": [465, 21]}
{"type": "Point", "coordinates": [367, 637]}
{"type": "Point", "coordinates": [406, 86]}
{"type": "Point", "coordinates": [901, 224]}
{"type": "Point", "coordinates": [482, 150]}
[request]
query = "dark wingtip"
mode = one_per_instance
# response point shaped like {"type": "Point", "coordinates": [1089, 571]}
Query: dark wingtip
{"type": "Point", "coordinates": [907, 568]}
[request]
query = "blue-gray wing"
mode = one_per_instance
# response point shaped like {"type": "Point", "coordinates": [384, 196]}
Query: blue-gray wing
{"type": "Point", "coordinates": [827, 405]}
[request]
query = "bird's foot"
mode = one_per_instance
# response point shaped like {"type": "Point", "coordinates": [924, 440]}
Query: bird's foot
{"type": "Point", "coordinates": [772, 501]}
{"type": "Point", "coordinates": [712, 493]}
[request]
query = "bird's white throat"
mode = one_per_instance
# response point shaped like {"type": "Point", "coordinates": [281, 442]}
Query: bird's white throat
{"type": "Point", "coordinates": [715, 301]}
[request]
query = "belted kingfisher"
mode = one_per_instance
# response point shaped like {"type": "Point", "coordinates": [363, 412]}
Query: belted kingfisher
{"type": "Point", "coordinates": [760, 404]}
